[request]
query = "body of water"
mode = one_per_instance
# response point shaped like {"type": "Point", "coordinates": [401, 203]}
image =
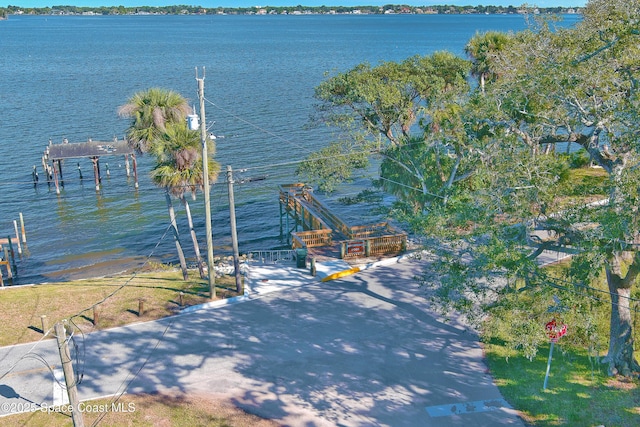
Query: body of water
{"type": "Point", "coordinates": [65, 77]}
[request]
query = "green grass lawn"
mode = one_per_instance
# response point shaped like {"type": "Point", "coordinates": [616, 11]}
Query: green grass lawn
{"type": "Point", "coordinates": [579, 393]}
{"type": "Point", "coordinates": [116, 301]}
{"type": "Point", "coordinates": [148, 410]}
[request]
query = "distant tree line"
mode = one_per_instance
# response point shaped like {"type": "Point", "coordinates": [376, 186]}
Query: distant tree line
{"type": "Point", "coordinates": [199, 10]}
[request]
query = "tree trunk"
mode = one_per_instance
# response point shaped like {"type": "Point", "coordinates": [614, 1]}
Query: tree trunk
{"type": "Point", "coordinates": [620, 356]}
{"type": "Point", "coordinates": [192, 231]}
{"type": "Point", "coordinates": [174, 227]}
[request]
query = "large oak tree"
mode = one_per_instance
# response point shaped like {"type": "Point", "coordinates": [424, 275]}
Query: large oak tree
{"type": "Point", "coordinates": [487, 167]}
{"type": "Point", "coordinates": [575, 86]}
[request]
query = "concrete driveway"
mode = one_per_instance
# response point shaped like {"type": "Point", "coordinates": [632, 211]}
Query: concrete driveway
{"type": "Point", "coordinates": [364, 350]}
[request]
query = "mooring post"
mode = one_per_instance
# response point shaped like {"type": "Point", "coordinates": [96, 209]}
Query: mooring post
{"type": "Point", "coordinates": [80, 172]}
{"type": "Point", "coordinates": [55, 177]}
{"type": "Point", "coordinates": [15, 226]}
{"type": "Point", "coordinates": [34, 175]}
{"type": "Point", "coordinates": [126, 165]}
{"type": "Point", "coordinates": [24, 235]}
{"type": "Point", "coordinates": [6, 258]}
{"type": "Point", "coordinates": [135, 169]}
{"type": "Point", "coordinates": [96, 172]}
{"type": "Point", "coordinates": [106, 165]}
{"type": "Point", "coordinates": [60, 169]}
{"type": "Point", "coordinates": [47, 171]}
{"type": "Point", "coordinates": [13, 256]}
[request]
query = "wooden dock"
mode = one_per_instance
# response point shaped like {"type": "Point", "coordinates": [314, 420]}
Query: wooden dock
{"type": "Point", "coordinates": [54, 154]}
{"type": "Point", "coordinates": [322, 228]}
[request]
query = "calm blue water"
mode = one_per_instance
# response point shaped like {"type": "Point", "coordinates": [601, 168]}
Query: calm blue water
{"type": "Point", "coordinates": [64, 77]}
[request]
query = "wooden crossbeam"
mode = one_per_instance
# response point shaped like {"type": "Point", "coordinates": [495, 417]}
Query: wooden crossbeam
{"type": "Point", "coordinates": [5, 241]}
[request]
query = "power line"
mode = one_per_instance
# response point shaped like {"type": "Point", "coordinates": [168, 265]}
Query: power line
{"type": "Point", "coordinates": [46, 333]}
{"type": "Point", "coordinates": [122, 388]}
{"type": "Point", "coordinates": [268, 132]}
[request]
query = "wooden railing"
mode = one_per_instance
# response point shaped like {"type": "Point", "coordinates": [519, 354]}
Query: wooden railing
{"type": "Point", "coordinates": [312, 238]}
{"type": "Point", "coordinates": [363, 240]}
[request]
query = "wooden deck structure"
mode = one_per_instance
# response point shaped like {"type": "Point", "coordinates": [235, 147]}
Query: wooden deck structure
{"type": "Point", "coordinates": [56, 153]}
{"type": "Point", "coordinates": [321, 227]}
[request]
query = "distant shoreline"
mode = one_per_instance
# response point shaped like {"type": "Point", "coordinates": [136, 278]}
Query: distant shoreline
{"type": "Point", "coordinates": [389, 9]}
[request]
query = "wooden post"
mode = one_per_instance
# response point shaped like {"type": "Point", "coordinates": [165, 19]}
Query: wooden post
{"type": "Point", "coordinates": [15, 226]}
{"type": "Point", "coordinates": [135, 169]}
{"type": "Point", "coordinates": [60, 170]}
{"type": "Point", "coordinates": [140, 307]}
{"type": "Point", "coordinates": [24, 235]}
{"type": "Point", "coordinates": [7, 263]}
{"type": "Point", "coordinates": [69, 377]}
{"type": "Point", "coordinates": [12, 255]}
{"type": "Point", "coordinates": [96, 172]}
{"type": "Point", "coordinates": [106, 165]}
{"type": "Point", "coordinates": [80, 172]}
{"type": "Point", "coordinates": [206, 188]}
{"type": "Point", "coordinates": [55, 178]}
{"type": "Point", "coordinates": [44, 323]}
{"type": "Point", "coordinates": [47, 171]}
{"type": "Point", "coordinates": [313, 266]}
{"type": "Point", "coordinates": [34, 176]}
{"type": "Point", "coordinates": [96, 316]}
{"type": "Point", "coordinates": [126, 165]}
{"type": "Point", "coordinates": [1, 279]}
{"type": "Point", "coordinates": [234, 233]}
{"type": "Point", "coordinates": [181, 298]}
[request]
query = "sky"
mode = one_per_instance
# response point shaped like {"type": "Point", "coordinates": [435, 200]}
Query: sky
{"type": "Point", "coordinates": [250, 3]}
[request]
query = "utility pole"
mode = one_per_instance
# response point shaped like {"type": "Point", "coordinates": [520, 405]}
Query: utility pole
{"type": "Point", "coordinates": [234, 233]}
{"type": "Point", "coordinates": [205, 173]}
{"type": "Point", "coordinates": [69, 377]}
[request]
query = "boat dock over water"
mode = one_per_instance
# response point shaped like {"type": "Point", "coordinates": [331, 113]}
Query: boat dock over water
{"type": "Point", "coordinates": [54, 154]}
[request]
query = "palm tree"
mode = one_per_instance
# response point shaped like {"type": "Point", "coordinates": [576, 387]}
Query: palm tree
{"type": "Point", "coordinates": [179, 170]}
{"type": "Point", "coordinates": [482, 48]}
{"type": "Point", "coordinates": [151, 112]}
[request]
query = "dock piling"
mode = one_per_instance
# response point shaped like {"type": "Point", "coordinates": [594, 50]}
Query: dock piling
{"type": "Point", "coordinates": [34, 176]}
{"type": "Point", "coordinates": [7, 262]}
{"type": "Point", "coordinates": [135, 170]}
{"type": "Point", "coordinates": [126, 165]}
{"type": "Point", "coordinates": [15, 226]}
{"type": "Point", "coordinates": [96, 172]}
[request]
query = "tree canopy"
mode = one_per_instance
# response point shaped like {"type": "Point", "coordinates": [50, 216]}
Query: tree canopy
{"type": "Point", "coordinates": [485, 170]}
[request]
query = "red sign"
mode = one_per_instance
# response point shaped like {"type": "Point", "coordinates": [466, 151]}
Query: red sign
{"type": "Point", "coordinates": [355, 247]}
{"type": "Point", "coordinates": [555, 331]}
